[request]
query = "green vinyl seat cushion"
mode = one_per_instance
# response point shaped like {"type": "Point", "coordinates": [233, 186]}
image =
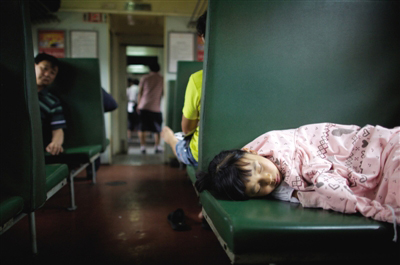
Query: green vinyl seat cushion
{"type": "Point", "coordinates": [55, 173]}
{"type": "Point", "coordinates": [73, 155]}
{"type": "Point", "coordinates": [263, 225]}
{"type": "Point", "coordinates": [10, 206]}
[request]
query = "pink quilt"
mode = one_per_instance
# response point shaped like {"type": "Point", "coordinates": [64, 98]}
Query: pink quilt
{"type": "Point", "coordinates": [344, 168]}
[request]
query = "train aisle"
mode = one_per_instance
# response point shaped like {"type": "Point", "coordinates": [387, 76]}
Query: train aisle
{"type": "Point", "coordinates": [120, 220]}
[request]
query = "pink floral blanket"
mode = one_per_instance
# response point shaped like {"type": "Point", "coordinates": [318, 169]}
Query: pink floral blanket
{"type": "Point", "coordinates": [339, 167]}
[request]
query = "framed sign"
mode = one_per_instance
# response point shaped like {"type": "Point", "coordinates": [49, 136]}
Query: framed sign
{"type": "Point", "coordinates": [181, 47]}
{"type": "Point", "coordinates": [52, 42]}
{"type": "Point", "coordinates": [84, 44]}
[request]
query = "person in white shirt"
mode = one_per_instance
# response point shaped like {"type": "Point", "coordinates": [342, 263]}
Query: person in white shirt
{"type": "Point", "coordinates": [132, 93]}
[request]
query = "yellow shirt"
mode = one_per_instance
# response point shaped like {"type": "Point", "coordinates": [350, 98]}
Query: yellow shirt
{"type": "Point", "coordinates": [191, 108]}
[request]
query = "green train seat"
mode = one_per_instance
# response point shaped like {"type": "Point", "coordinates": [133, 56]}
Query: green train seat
{"type": "Point", "coordinates": [78, 87]}
{"type": "Point", "coordinates": [281, 64]}
{"type": "Point", "coordinates": [10, 207]}
{"type": "Point", "coordinates": [23, 173]}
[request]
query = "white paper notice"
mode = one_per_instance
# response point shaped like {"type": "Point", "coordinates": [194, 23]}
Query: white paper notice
{"type": "Point", "coordinates": [181, 48]}
{"type": "Point", "coordinates": [83, 44]}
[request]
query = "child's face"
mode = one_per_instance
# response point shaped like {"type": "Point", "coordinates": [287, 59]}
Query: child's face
{"type": "Point", "coordinates": [264, 178]}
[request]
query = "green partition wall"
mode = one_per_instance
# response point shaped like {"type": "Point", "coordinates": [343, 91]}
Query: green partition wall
{"type": "Point", "coordinates": [185, 69]}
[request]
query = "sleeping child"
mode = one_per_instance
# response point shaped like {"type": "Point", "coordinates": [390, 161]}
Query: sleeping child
{"type": "Point", "coordinates": [343, 168]}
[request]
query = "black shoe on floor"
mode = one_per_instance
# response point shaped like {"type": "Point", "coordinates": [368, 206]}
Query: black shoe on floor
{"type": "Point", "coordinates": [177, 220]}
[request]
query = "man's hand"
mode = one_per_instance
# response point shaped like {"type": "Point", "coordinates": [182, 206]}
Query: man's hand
{"type": "Point", "coordinates": [55, 147]}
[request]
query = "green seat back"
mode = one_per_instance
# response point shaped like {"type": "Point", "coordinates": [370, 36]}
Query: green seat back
{"type": "Point", "coordinates": [282, 64]}
{"type": "Point", "coordinates": [185, 70]}
{"type": "Point", "coordinates": [168, 153]}
{"type": "Point", "coordinates": [78, 87]}
{"type": "Point", "coordinates": [22, 155]}
{"type": "Point", "coordinates": [170, 102]}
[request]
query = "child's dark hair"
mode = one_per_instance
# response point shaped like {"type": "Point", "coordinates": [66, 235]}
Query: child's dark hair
{"type": "Point", "coordinates": [46, 57]}
{"type": "Point", "coordinates": [225, 175]}
{"type": "Point", "coordinates": [201, 25]}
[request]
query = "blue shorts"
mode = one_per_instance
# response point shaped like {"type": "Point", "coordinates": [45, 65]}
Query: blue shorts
{"type": "Point", "coordinates": [184, 154]}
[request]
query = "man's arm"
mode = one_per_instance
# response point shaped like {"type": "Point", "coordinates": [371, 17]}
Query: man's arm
{"type": "Point", "coordinates": [188, 125]}
{"type": "Point", "coordinates": [109, 102]}
{"type": "Point", "coordinates": [55, 147]}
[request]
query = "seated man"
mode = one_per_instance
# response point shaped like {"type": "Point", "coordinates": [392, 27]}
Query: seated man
{"type": "Point", "coordinates": [53, 121]}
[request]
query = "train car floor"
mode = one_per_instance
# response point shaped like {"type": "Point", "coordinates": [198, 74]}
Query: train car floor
{"type": "Point", "coordinates": [120, 220]}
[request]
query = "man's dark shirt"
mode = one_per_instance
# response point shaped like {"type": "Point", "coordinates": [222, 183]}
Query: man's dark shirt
{"type": "Point", "coordinates": [51, 114]}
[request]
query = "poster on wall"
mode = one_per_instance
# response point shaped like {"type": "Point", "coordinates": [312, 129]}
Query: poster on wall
{"type": "Point", "coordinates": [52, 42]}
{"type": "Point", "coordinates": [181, 47]}
{"type": "Point", "coordinates": [84, 44]}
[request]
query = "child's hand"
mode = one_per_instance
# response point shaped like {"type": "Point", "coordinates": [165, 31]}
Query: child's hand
{"type": "Point", "coordinates": [254, 152]}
